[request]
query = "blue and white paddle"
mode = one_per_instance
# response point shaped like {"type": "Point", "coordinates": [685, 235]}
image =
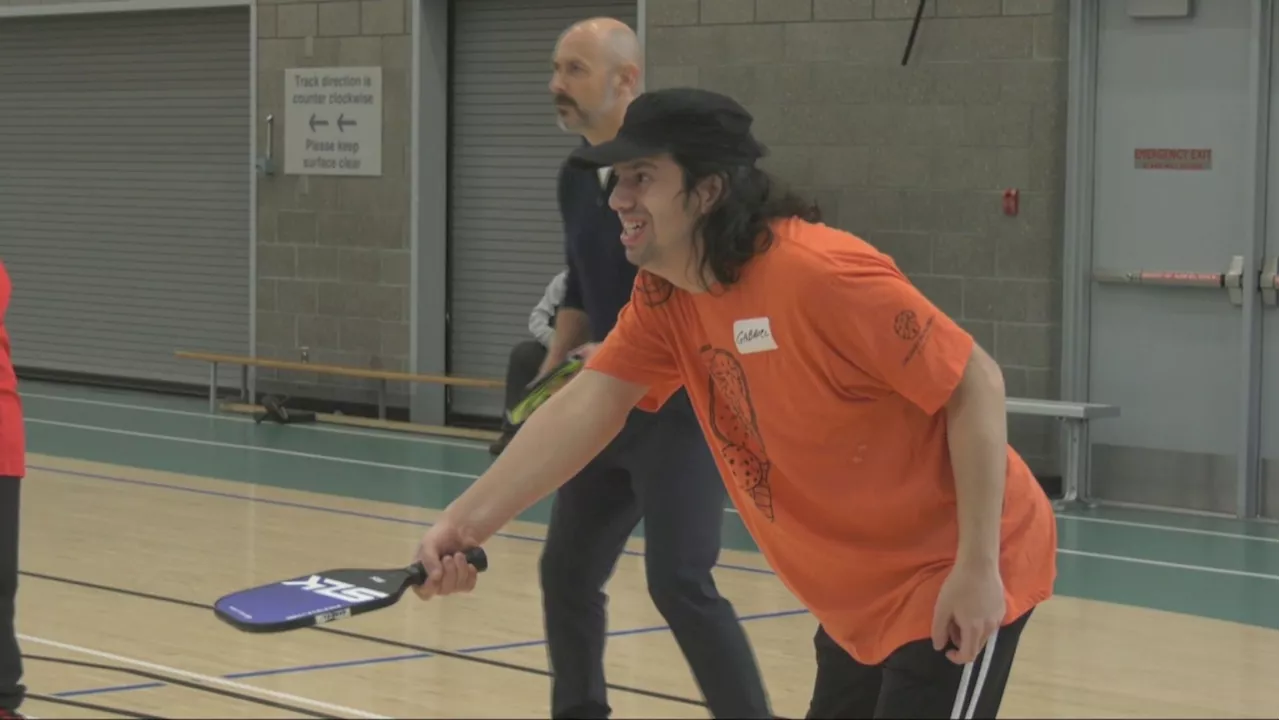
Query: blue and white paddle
{"type": "Point", "coordinates": [323, 597]}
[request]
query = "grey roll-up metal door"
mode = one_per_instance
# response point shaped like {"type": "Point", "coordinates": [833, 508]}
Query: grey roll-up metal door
{"type": "Point", "coordinates": [505, 241]}
{"type": "Point", "coordinates": [125, 189]}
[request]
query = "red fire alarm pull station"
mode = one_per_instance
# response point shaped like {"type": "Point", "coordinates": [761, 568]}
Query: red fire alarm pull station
{"type": "Point", "coordinates": [1010, 202]}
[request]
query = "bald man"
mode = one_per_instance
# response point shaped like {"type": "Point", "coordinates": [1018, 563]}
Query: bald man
{"type": "Point", "coordinates": [659, 467]}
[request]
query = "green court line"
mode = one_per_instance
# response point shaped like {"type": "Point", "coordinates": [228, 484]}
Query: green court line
{"type": "Point", "coordinates": [51, 402]}
{"type": "Point", "coordinates": [1168, 573]}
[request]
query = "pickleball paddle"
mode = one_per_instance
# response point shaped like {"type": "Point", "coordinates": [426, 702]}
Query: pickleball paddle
{"type": "Point", "coordinates": [542, 389]}
{"type": "Point", "coordinates": [323, 597]}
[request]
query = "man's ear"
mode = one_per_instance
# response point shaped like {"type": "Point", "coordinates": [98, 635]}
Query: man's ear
{"type": "Point", "coordinates": [628, 78]}
{"type": "Point", "coordinates": [710, 189]}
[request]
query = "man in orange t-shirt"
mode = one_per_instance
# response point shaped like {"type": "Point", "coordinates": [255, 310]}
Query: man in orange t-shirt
{"type": "Point", "coordinates": [860, 431]}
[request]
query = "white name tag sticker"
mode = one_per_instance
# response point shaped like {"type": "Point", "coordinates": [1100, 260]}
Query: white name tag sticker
{"type": "Point", "coordinates": [753, 335]}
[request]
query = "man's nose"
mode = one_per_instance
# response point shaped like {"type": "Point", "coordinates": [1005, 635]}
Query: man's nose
{"type": "Point", "coordinates": [620, 199]}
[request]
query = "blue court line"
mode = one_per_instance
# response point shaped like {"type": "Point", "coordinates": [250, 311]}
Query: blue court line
{"type": "Point", "coordinates": [333, 511]}
{"type": "Point", "coordinates": [111, 689]}
{"type": "Point", "coordinates": [479, 650]}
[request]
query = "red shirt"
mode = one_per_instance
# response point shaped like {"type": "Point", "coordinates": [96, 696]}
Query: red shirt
{"type": "Point", "coordinates": [13, 462]}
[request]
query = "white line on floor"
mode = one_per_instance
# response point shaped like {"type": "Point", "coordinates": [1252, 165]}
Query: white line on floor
{"type": "Point", "coordinates": [1062, 551]}
{"type": "Point", "coordinates": [255, 448]}
{"type": "Point", "coordinates": [208, 679]}
{"type": "Point", "coordinates": [402, 437]}
{"type": "Point", "coordinates": [1162, 563]}
{"type": "Point", "coordinates": [482, 448]}
{"type": "Point", "coordinates": [1168, 528]}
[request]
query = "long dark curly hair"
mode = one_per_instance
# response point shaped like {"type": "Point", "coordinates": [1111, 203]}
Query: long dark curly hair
{"type": "Point", "coordinates": [738, 226]}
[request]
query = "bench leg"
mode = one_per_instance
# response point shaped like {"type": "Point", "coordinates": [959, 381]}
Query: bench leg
{"type": "Point", "coordinates": [213, 388]}
{"type": "Point", "coordinates": [382, 399]}
{"type": "Point", "coordinates": [1073, 473]}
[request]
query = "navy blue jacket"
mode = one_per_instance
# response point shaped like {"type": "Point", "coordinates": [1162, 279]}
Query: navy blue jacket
{"type": "Point", "coordinates": [600, 275]}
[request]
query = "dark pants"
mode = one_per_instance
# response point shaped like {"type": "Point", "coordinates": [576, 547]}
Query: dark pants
{"type": "Point", "coordinates": [916, 681]}
{"type": "Point", "coordinates": [12, 691]}
{"type": "Point", "coordinates": [522, 368]}
{"type": "Point", "coordinates": [659, 469]}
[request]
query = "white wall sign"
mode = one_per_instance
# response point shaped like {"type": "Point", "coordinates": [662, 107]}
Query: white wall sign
{"type": "Point", "coordinates": [333, 121]}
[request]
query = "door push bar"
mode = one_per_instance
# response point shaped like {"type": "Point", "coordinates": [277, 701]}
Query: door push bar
{"type": "Point", "coordinates": [1231, 279]}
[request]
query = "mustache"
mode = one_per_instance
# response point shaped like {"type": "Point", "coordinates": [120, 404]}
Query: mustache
{"type": "Point", "coordinates": [566, 101]}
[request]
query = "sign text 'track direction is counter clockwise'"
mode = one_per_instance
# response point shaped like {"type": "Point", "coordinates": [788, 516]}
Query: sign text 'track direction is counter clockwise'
{"type": "Point", "coordinates": [333, 121]}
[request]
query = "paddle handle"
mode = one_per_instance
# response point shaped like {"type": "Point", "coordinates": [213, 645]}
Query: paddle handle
{"type": "Point", "coordinates": [475, 557]}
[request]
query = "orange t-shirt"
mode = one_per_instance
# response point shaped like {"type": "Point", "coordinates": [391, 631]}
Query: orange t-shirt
{"type": "Point", "coordinates": [818, 379]}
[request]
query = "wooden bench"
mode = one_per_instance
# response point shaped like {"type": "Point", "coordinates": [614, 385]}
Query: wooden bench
{"type": "Point", "coordinates": [1076, 417]}
{"type": "Point", "coordinates": [376, 423]}
{"type": "Point", "coordinates": [382, 376]}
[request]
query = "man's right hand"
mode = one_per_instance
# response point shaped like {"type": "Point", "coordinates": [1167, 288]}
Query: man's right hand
{"type": "Point", "coordinates": [441, 552]}
{"type": "Point", "coordinates": [582, 352]}
{"type": "Point", "coordinates": [572, 330]}
{"type": "Point", "coordinates": [549, 363]}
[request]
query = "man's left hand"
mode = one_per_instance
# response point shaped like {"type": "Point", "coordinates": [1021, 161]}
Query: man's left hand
{"type": "Point", "coordinates": [586, 351]}
{"type": "Point", "coordinates": [970, 609]}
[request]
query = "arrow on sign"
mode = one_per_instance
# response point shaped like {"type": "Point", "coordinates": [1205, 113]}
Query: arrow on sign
{"type": "Point", "coordinates": [343, 123]}
{"type": "Point", "coordinates": [315, 122]}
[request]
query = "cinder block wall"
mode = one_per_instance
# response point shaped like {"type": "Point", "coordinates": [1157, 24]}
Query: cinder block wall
{"type": "Point", "coordinates": [913, 159]}
{"type": "Point", "coordinates": [333, 253]}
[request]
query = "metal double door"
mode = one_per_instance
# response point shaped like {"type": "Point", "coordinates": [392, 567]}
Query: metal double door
{"type": "Point", "coordinates": [1183, 268]}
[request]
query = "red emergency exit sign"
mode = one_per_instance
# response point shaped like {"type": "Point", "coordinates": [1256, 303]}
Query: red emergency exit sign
{"type": "Point", "coordinates": [1172, 158]}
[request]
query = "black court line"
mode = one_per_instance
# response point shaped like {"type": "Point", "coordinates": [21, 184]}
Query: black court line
{"type": "Point", "coordinates": [367, 638]}
{"type": "Point", "coordinates": [92, 706]}
{"type": "Point", "coordinates": [160, 677]}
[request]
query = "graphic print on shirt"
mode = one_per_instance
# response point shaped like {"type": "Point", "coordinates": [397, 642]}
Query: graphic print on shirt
{"type": "Point", "coordinates": [733, 421]}
{"type": "Point", "coordinates": [907, 326]}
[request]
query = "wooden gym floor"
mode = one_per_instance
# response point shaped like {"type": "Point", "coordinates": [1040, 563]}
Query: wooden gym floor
{"type": "Point", "coordinates": [140, 510]}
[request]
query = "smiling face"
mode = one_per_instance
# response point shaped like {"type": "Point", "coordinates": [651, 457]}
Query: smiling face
{"type": "Point", "coordinates": [659, 216]}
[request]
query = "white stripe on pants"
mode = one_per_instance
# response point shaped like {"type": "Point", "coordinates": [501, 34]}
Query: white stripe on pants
{"type": "Point", "coordinates": [959, 710]}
